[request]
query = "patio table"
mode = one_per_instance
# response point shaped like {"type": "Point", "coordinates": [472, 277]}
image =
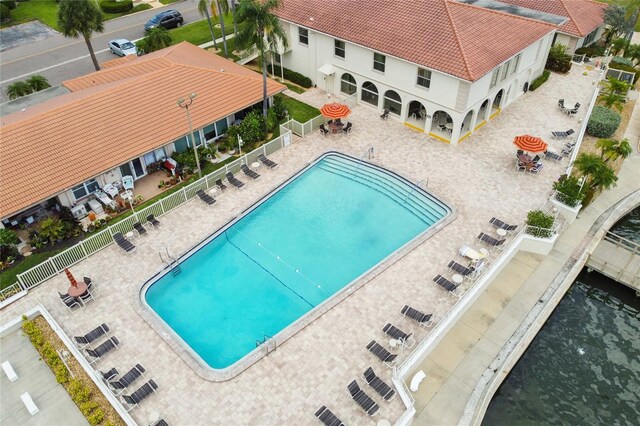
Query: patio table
{"type": "Point", "coordinates": [335, 127]}
{"type": "Point", "coordinates": [80, 289]}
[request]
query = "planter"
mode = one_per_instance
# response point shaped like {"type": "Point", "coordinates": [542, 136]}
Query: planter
{"type": "Point", "coordinates": [569, 213]}
{"type": "Point", "coordinates": [538, 245]}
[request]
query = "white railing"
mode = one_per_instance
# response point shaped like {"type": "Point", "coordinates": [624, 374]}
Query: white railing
{"type": "Point", "coordinates": [351, 100]}
{"type": "Point", "coordinates": [578, 58]}
{"type": "Point", "coordinates": [85, 248]}
{"type": "Point", "coordinates": [621, 75]}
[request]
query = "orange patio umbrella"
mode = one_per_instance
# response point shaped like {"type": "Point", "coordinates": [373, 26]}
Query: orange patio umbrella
{"type": "Point", "coordinates": [530, 143]}
{"type": "Point", "coordinates": [335, 110]}
{"type": "Point", "coordinates": [72, 280]}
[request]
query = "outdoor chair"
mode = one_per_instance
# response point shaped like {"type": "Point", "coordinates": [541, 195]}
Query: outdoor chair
{"type": "Point", "coordinates": [536, 169]}
{"type": "Point", "coordinates": [573, 111]}
{"type": "Point", "coordinates": [205, 197]}
{"type": "Point", "coordinates": [347, 129]}
{"type": "Point", "coordinates": [378, 385]}
{"type": "Point", "coordinates": [382, 354]}
{"type": "Point", "coordinates": [459, 269]}
{"type": "Point", "coordinates": [103, 349]}
{"type": "Point", "coordinates": [91, 285]}
{"type": "Point", "coordinates": [567, 150]}
{"type": "Point", "coordinates": [127, 182]}
{"type": "Point", "coordinates": [123, 243]}
{"type": "Point", "coordinates": [324, 131]}
{"type": "Point", "coordinates": [362, 399]}
{"type": "Point", "coordinates": [153, 221]}
{"type": "Point", "coordinates": [561, 104]}
{"type": "Point", "coordinates": [127, 380]}
{"type": "Point", "coordinates": [264, 160]}
{"type": "Point", "coordinates": [327, 417]}
{"type": "Point", "coordinates": [502, 225]}
{"type": "Point", "coordinates": [488, 239]}
{"type": "Point", "coordinates": [405, 339]}
{"type": "Point", "coordinates": [111, 374]}
{"type": "Point", "coordinates": [553, 156]}
{"type": "Point", "coordinates": [423, 319]}
{"type": "Point", "coordinates": [519, 153]}
{"type": "Point", "coordinates": [562, 135]}
{"type": "Point", "coordinates": [139, 395]}
{"type": "Point", "coordinates": [385, 114]}
{"type": "Point", "coordinates": [70, 302]}
{"type": "Point", "coordinates": [520, 167]}
{"type": "Point", "coordinates": [247, 171]}
{"type": "Point", "coordinates": [535, 159]}
{"type": "Point", "coordinates": [141, 230]}
{"type": "Point", "coordinates": [329, 123]}
{"type": "Point", "coordinates": [221, 186]}
{"type": "Point", "coordinates": [446, 284]}
{"type": "Point", "coordinates": [233, 181]}
{"type": "Point", "coordinates": [161, 422]}
{"type": "Point", "coordinates": [92, 336]}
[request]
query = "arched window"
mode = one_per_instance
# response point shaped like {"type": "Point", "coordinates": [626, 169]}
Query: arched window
{"type": "Point", "coordinates": [370, 93]}
{"type": "Point", "coordinates": [392, 102]}
{"type": "Point", "coordinates": [348, 84]}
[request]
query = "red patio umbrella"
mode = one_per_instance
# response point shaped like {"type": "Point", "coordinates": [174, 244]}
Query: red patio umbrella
{"type": "Point", "coordinates": [72, 280]}
{"type": "Point", "coordinates": [530, 143]}
{"type": "Point", "coordinates": [335, 110]}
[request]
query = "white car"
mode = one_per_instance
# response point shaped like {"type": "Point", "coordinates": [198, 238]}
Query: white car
{"type": "Point", "coordinates": [123, 47]}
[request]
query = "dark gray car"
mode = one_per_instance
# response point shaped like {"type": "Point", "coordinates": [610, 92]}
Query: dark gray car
{"type": "Point", "coordinates": [167, 19]}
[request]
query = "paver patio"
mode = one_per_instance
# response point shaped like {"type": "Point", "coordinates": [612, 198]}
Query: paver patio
{"type": "Point", "coordinates": [476, 177]}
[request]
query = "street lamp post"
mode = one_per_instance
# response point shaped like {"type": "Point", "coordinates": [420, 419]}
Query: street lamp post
{"type": "Point", "coordinates": [186, 103]}
{"type": "Point", "coordinates": [240, 143]}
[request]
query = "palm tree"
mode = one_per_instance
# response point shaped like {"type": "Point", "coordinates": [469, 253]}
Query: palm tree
{"type": "Point", "coordinates": [233, 13]}
{"type": "Point", "coordinates": [222, 9]}
{"type": "Point", "coordinates": [611, 149]}
{"type": "Point", "coordinates": [38, 82]}
{"type": "Point", "coordinates": [19, 89]}
{"type": "Point", "coordinates": [158, 38]}
{"type": "Point", "coordinates": [80, 18]}
{"type": "Point", "coordinates": [596, 170]}
{"type": "Point", "coordinates": [203, 8]}
{"type": "Point", "coordinates": [613, 100]}
{"type": "Point", "coordinates": [262, 28]}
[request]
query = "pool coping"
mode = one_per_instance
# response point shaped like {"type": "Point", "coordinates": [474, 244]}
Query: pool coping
{"type": "Point", "coordinates": [197, 364]}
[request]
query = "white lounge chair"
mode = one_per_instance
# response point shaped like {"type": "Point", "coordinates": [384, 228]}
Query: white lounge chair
{"type": "Point", "coordinates": [28, 402]}
{"type": "Point", "coordinates": [8, 370]}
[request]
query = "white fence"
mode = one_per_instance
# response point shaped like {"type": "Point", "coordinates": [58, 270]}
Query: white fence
{"type": "Point", "coordinates": [625, 76]}
{"type": "Point", "coordinates": [69, 257]}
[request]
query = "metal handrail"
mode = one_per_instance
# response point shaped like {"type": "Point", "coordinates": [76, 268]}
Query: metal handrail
{"type": "Point", "coordinates": [368, 151]}
{"type": "Point", "coordinates": [415, 187]}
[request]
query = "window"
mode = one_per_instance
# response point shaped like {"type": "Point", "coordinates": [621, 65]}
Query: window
{"type": "Point", "coordinates": [589, 39]}
{"type": "Point", "coordinates": [181, 145]}
{"type": "Point", "coordinates": [370, 93]}
{"type": "Point", "coordinates": [86, 188]}
{"type": "Point", "coordinates": [392, 102]}
{"type": "Point", "coordinates": [505, 71]}
{"type": "Point", "coordinates": [215, 130]}
{"type": "Point", "coordinates": [514, 65]}
{"type": "Point", "coordinates": [338, 48]}
{"type": "Point", "coordinates": [424, 78]}
{"type": "Point", "coordinates": [494, 78]}
{"type": "Point", "coordinates": [378, 62]}
{"type": "Point", "coordinates": [303, 36]}
{"type": "Point", "coordinates": [196, 135]}
{"type": "Point", "coordinates": [348, 84]}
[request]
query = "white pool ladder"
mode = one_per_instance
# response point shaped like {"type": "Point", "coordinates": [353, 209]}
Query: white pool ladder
{"type": "Point", "coordinates": [170, 261]}
{"type": "Point", "coordinates": [267, 342]}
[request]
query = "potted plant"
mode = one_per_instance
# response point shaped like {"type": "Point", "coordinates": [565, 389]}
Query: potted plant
{"type": "Point", "coordinates": [92, 216]}
{"type": "Point", "coordinates": [540, 224]}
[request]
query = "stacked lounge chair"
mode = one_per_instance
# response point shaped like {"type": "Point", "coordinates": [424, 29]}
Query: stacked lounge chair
{"type": "Point", "coordinates": [562, 135]}
{"type": "Point", "coordinates": [205, 197]}
{"type": "Point", "coordinates": [142, 393]}
{"type": "Point", "coordinates": [400, 335]}
{"type": "Point", "coordinates": [378, 385]}
{"type": "Point", "coordinates": [103, 349]}
{"type": "Point", "coordinates": [422, 319]}
{"type": "Point", "coordinates": [382, 354]}
{"type": "Point", "coordinates": [233, 181]}
{"type": "Point", "coordinates": [92, 336]}
{"type": "Point", "coordinates": [488, 239]}
{"type": "Point", "coordinates": [247, 171]}
{"type": "Point", "coordinates": [129, 378]}
{"type": "Point", "coordinates": [141, 230]}
{"type": "Point", "coordinates": [123, 243]}
{"type": "Point", "coordinates": [502, 225]}
{"type": "Point", "coordinates": [553, 156]}
{"type": "Point", "coordinates": [362, 399]}
{"type": "Point", "coordinates": [153, 221]}
{"type": "Point", "coordinates": [327, 417]}
{"type": "Point", "coordinates": [264, 160]}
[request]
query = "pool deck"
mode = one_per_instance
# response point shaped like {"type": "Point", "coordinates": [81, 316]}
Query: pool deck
{"type": "Point", "coordinates": [311, 369]}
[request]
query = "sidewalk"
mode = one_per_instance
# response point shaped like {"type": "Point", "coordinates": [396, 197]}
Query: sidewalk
{"type": "Point", "coordinates": [454, 367]}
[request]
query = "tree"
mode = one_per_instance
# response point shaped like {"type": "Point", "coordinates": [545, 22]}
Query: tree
{"type": "Point", "coordinates": [614, 93]}
{"type": "Point", "coordinates": [260, 27]}
{"type": "Point", "coordinates": [233, 13]}
{"type": "Point", "coordinates": [619, 45]}
{"type": "Point", "coordinates": [222, 8]}
{"type": "Point", "coordinates": [597, 172]}
{"type": "Point", "coordinates": [615, 16]}
{"type": "Point", "coordinates": [80, 18]}
{"type": "Point", "coordinates": [203, 8]}
{"type": "Point", "coordinates": [38, 82]}
{"type": "Point", "coordinates": [158, 38]}
{"type": "Point", "coordinates": [19, 89]}
{"type": "Point", "coordinates": [613, 100]}
{"type": "Point", "coordinates": [611, 149]}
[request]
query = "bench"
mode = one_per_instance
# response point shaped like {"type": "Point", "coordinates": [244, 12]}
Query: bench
{"type": "Point", "coordinates": [8, 370]}
{"type": "Point", "coordinates": [28, 402]}
{"type": "Point", "coordinates": [417, 379]}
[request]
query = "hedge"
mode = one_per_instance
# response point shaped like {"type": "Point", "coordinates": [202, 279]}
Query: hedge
{"type": "Point", "coordinates": [5, 13]}
{"type": "Point", "coordinates": [540, 80]}
{"type": "Point", "coordinates": [559, 65]}
{"type": "Point", "coordinates": [622, 61]}
{"type": "Point", "coordinates": [590, 51]}
{"type": "Point", "coordinates": [292, 76]}
{"type": "Point", "coordinates": [11, 4]}
{"type": "Point", "coordinates": [111, 6]}
{"type": "Point", "coordinates": [603, 122]}
{"type": "Point", "coordinates": [616, 66]}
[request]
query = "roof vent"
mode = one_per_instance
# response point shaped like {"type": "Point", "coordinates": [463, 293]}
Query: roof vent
{"type": "Point", "coordinates": [221, 69]}
{"type": "Point", "coordinates": [23, 109]}
{"type": "Point", "coordinates": [311, 19]}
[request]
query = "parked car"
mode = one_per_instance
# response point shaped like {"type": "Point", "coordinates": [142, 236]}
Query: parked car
{"type": "Point", "coordinates": [123, 47]}
{"type": "Point", "coordinates": [167, 19]}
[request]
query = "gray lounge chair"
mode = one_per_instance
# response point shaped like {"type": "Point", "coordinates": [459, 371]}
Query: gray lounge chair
{"type": "Point", "coordinates": [129, 378]}
{"type": "Point", "coordinates": [347, 129]}
{"type": "Point", "coordinates": [233, 181]}
{"type": "Point", "coordinates": [323, 130]}
{"type": "Point", "coordinates": [501, 225]}
{"type": "Point", "coordinates": [553, 156]}
{"type": "Point", "coordinates": [382, 354]}
{"type": "Point", "coordinates": [220, 185]}
{"type": "Point", "coordinates": [378, 385]}
{"type": "Point", "coordinates": [139, 395]}
{"type": "Point", "coordinates": [446, 284]}
{"type": "Point", "coordinates": [385, 114]}
{"type": "Point", "coordinates": [206, 198]}
{"type": "Point", "coordinates": [91, 285]}
{"type": "Point", "coordinates": [422, 319]}
{"type": "Point", "coordinates": [247, 171]}
{"type": "Point", "coordinates": [327, 417]}
{"type": "Point", "coordinates": [488, 239]}
{"type": "Point", "coordinates": [362, 399]}
{"type": "Point", "coordinates": [123, 243]}
{"type": "Point", "coordinates": [562, 135]}
{"type": "Point", "coordinates": [153, 221]}
{"type": "Point", "coordinates": [103, 349]}
{"type": "Point", "coordinates": [395, 333]}
{"type": "Point", "coordinates": [92, 336]}
{"type": "Point", "coordinates": [264, 160]}
{"type": "Point", "coordinates": [70, 302]}
{"type": "Point", "coordinates": [111, 374]}
{"type": "Point", "coordinates": [460, 269]}
{"type": "Point", "coordinates": [141, 230]}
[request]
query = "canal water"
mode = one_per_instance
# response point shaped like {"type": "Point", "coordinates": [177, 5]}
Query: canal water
{"type": "Point", "coordinates": [583, 368]}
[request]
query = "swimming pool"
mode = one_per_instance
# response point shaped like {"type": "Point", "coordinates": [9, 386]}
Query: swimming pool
{"type": "Point", "coordinates": [328, 225]}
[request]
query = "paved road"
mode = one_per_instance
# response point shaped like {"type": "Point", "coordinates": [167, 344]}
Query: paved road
{"type": "Point", "coordinates": [59, 58]}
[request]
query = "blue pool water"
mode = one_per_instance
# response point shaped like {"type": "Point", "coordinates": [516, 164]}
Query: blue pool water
{"type": "Point", "coordinates": [321, 231]}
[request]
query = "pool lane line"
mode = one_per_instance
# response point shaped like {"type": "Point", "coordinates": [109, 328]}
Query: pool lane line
{"type": "Point", "coordinates": [265, 269]}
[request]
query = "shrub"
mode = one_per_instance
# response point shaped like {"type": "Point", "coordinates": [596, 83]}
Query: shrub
{"type": "Point", "coordinates": [87, 407]}
{"type": "Point", "coordinates": [110, 6]}
{"type": "Point", "coordinates": [292, 76]}
{"type": "Point", "coordinates": [252, 129]}
{"type": "Point", "coordinates": [590, 51]}
{"type": "Point", "coordinates": [540, 224]}
{"type": "Point", "coordinates": [622, 61]}
{"type": "Point", "coordinates": [279, 107]}
{"type": "Point", "coordinates": [79, 392]}
{"type": "Point", "coordinates": [96, 417]}
{"type": "Point", "coordinates": [540, 80]}
{"type": "Point", "coordinates": [623, 67]}
{"type": "Point", "coordinates": [8, 253]}
{"type": "Point", "coordinates": [603, 122]}
{"type": "Point", "coordinates": [5, 13]}
{"type": "Point", "coordinates": [141, 7]}
{"type": "Point", "coordinates": [11, 4]}
{"type": "Point", "coordinates": [8, 237]}
{"type": "Point", "coordinates": [52, 229]}
{"type": "Point", "coordinates": [558, 59]}
{"type": "Point", "coordinates": [569, 191]}
{"type": "Point", "coordinates": [272, 120]}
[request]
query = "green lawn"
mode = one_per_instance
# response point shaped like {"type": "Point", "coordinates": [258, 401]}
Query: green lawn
{"type": "Point", "coordinates": [9, 276]}
{"type": "Point", "coordinates": [299, 111]}
{"type": "Point", "coordinates": [198, 32]}
{"type": "Point", "coordinates": [168, 1]}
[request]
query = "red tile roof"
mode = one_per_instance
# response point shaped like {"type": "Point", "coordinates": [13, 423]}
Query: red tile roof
{"type": "Point", "coordinates": [462, 40]}
{"type": "Point", "coordinates": [584, 15]}
{"type": "Point", "coordinates": [116, 115]}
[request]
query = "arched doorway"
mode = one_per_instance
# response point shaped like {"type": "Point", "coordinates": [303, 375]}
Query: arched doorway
{"type": "Point", "coordinates": [483, 113]}
{"type": "Point", "coordinates": [348, 84]}
{"type": "Point", "coordinates": [417, 114]}
{"type": "Point", "coordinates": [497, 102]}
{"type": "Point", "coordinates": [370, 93]}
{"type": "Point", "coordinates": [442, 124]}
{"type": "Point", "coordinates": [465, 127]}
{"type": "Point", "coordinates": [392, 102]}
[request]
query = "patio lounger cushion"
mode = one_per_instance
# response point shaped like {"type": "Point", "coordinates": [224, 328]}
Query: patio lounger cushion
{"type": "Point", "coordinates": [378, 385]}
{"type": "Point", "coordinates": [264, 160]}
{"type": "Point", "coordinates": [206, 198]}
{"type": "Point", "coordinates": [28, 402]}
{"type": "Point", "coordinates": [247, 171]}
{"type": "Point", "coordinates": [327, 417]}
{"type": "Point", "coordinates": [9, 371]}
{"type": "Point", "coordinates": [362, 399]}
